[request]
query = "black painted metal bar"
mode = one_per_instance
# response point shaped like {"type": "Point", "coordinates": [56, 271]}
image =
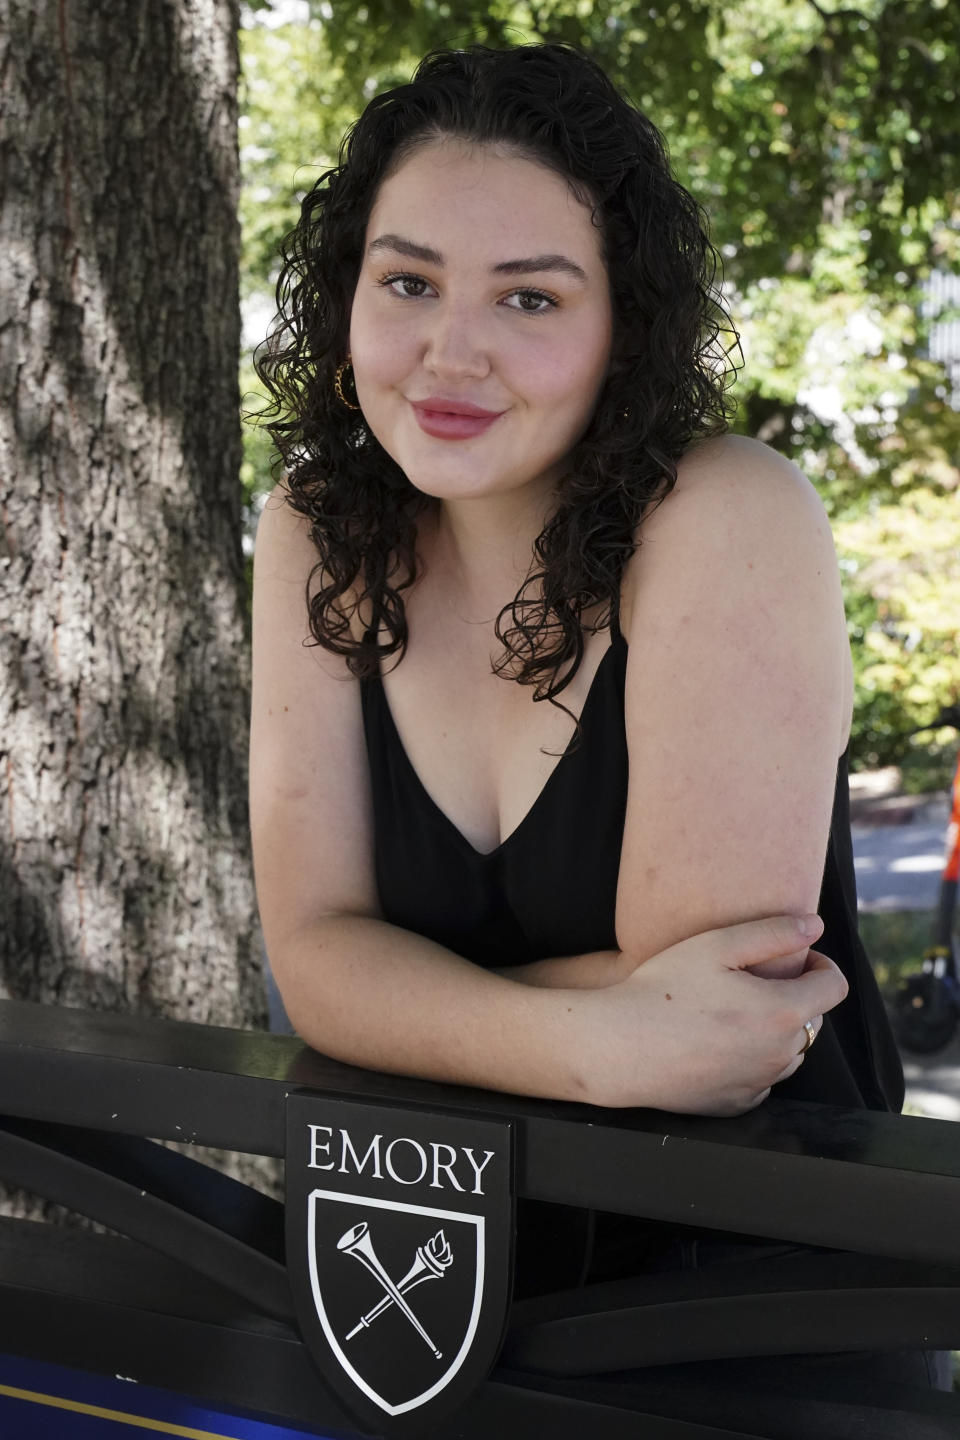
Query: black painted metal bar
{"type": "Point", "coordinates": [76, 1168]}
{"type": "Point", "coordinates": [802, 1303]}
{"type": "Point", "coordinates": [894, 1183]}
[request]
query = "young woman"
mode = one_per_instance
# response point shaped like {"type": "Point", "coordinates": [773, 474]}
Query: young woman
{"type": "Point", "coordinates": [500, 402]}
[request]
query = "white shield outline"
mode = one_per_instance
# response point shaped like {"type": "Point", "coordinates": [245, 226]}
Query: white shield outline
{"type": "Point", "coordinates": [477, 1220]}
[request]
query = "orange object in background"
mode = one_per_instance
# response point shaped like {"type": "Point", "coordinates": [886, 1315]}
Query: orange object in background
{"type": "Point", "coordinates": [951, 870]}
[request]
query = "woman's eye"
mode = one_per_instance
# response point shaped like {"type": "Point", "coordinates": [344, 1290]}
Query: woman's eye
{"type": "Point", "coordinates": [414, 287]}
{"type": "Point", "coordinates": [531, 302]}
{"type": "Point", "coordinates": [406, 287]}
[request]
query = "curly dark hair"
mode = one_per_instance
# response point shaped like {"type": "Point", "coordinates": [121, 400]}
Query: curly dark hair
{"type": "Point", "coordinates": [667, 384]}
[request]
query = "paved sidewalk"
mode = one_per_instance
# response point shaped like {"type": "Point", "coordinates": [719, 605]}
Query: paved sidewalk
{"type": "Point", "coordinates": [933, 1083]}
{"type": "Point", "coordinates": [898, 849]}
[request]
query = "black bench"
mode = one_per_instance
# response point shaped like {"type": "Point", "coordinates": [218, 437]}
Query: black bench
{"type": "Point", "coordinates": [192, 1294]}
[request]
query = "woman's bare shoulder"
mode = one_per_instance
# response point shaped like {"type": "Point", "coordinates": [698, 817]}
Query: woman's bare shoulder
{"type": "Point", "coordinates": [285, 534]}
{"type": "Point", "coordinates": [738, 465]}
{"type": "Point", "coordinates": [737, 494]}
{"type": "Point", "coordinates": [282, 527]}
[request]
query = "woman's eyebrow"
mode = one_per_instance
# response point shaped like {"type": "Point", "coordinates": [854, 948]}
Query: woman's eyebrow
{"type": "Point", "coordinates": [534, 265]}
{"type": "Point", "coordinates": [405, 247]}
{"type": "Point", "coordinates": [538, 263]}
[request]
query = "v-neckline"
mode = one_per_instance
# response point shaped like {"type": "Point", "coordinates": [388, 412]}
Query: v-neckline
{"type": "Point", "coordinates": [442, 815]}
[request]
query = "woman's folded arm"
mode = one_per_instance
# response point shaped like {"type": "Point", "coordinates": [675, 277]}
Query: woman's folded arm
{"type": "Point", "coordinates": [738, 697]}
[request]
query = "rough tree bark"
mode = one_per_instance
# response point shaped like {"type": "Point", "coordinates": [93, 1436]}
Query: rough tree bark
{"type": "Point", "coordinates": [125, 876]}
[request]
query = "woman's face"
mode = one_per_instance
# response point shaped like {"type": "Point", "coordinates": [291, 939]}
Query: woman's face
{"type": "Point", "coordinates": [481, 324]}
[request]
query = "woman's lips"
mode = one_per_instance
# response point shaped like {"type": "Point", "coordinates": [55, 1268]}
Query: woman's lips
{"type": "Point", "coordinates": [449, 420]}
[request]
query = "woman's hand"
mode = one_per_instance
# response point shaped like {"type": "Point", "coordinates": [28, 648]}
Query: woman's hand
{"type": "Point", "coordinates": [694, 1031]}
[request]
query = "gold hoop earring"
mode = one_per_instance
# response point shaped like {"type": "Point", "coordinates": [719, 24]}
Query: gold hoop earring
{"type": "Point", "coordinates": [338, 384]}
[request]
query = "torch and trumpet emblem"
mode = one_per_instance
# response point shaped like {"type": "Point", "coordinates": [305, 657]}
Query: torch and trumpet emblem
{"type": "Point", "coordinates": [430, 1262]}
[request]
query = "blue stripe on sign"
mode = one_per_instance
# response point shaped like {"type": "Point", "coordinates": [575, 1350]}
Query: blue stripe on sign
{"type": "Point", "coordinates": [40, 1401]}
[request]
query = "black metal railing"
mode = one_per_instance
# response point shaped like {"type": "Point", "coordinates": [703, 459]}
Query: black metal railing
{"type": "Point", "coordinates": [191, 1293]}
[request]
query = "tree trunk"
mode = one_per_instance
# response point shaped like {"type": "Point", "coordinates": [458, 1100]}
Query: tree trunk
{"type": "Point", "coordinates": [125, 875]}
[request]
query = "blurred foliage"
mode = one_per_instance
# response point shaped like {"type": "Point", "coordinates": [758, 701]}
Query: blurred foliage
{"type": "Point", "coordinates": [930, 765]}
{"type": "Point", "coordinates": [895, 941]}
{"type": "Point", "coordinates": [824, 141]}
{"type": "Point", "coordinates": [902, 564]}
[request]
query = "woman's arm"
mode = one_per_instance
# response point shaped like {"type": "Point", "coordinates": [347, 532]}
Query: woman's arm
{"type": "Point", "coordinates": [737, 700]}
{"type": "Point", "coordinates": [593, 971]}
{"type": "Point", "coordinates": [692, 1030]}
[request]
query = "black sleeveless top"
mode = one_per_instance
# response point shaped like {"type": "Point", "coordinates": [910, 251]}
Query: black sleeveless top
{"type": "Point", "coordinates": [550, 888]}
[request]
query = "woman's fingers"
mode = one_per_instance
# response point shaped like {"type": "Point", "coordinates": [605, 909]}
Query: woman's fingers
{"type": "Point", "coordinates": [811, 1029]}
{"type": "Point", "coordinates": [821, 986]}
{"type": "Point", "coordinates": [804, 1043]}
{"type": "Point", "coordinates": [737, 947]}
{"type": "Point", "coordinates": [796, 1060]}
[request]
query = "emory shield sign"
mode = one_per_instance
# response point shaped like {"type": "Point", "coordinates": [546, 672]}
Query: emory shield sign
{"type": "Point", "coordinates": [399, 1250]}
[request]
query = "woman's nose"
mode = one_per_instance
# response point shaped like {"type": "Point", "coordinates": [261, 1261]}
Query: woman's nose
{"type": "Point", "coordinates": [456, 343]}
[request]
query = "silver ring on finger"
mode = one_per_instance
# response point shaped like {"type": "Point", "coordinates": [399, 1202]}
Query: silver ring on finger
{"type": "Point", "coordinates": [811, 1035]}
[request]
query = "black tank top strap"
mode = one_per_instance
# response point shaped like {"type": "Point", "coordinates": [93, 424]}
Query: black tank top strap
{"type": "Point", "coordinates": [371, 634]}
{"type": "Point", "coordinates": [616, 634]}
